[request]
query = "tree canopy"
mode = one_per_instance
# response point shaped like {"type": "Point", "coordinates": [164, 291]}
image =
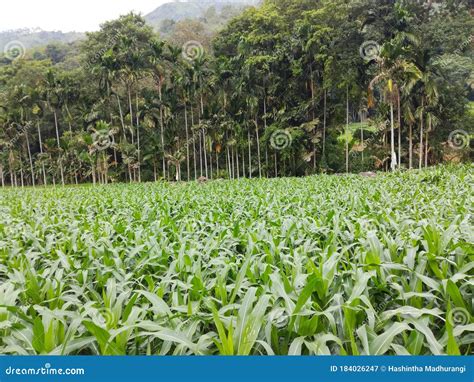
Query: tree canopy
{"type": "Point", "coordinates": [289, 88]}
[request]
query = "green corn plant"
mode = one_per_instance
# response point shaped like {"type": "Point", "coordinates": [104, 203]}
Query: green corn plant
{"type": "Point", "coordinates": [301, 266]}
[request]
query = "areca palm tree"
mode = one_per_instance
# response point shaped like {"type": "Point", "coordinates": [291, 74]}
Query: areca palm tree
{"type": "Point", "coordinates": [158, 65]}
{"type": "Point", "coordinates": [429, 99]}
{"type": "Point", "coordinates": [54, 100]}
{"type": "Point", "coordinates": [201, 73]}
{"type": "Point", "coordinates": [395, 73]}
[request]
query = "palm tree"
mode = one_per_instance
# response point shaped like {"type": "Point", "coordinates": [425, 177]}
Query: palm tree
{"type": "Point", "coordinates": [201, 72]}
{"type": "Point", "coordinates": [157, 61]}
{"type": "Point", "coordinates": [395, 73]}
{"type": "Point", "coordinates": [185, 86]}
{"type": "Point", "coordinates": [429, 99]}
{"type": "Point", "coordinates": [54, 101]}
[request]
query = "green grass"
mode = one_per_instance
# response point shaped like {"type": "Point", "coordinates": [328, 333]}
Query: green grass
{"type": "Point", "coordinates": [321, 265]}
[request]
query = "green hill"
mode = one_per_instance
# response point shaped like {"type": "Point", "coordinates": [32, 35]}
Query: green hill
{"type": "Point", "coordinates": [32, 38]}
{"type": "Point", "coordinates": [192, 9]}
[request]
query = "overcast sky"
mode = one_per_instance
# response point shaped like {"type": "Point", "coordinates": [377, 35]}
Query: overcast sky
{"type": "Point", "coordinates": [68, 15]}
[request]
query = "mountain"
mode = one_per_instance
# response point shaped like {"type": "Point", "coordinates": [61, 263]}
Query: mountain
{"type": "Point", "coordinates": [32, 38]}
{"type": "Point", "coordinates": [192, 9]}
{"type": "Point", "coordinates": [212, 14]}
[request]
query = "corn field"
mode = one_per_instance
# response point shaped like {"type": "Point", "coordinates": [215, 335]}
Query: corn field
{"type": "Point", "coordinates": [320, 265]}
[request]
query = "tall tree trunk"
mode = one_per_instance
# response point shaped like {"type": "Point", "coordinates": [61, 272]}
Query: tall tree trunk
{"type": "Point", "coordinates": [2, 176]}
{"type": "Point", "coordinates": [200, 153]}
{"type": "Point", "coordinates": [265, 128]}
{"type": "Point", "coordinates": [204, 145]}
{"type": "Point", "coordinates": [138, 141]}
{"type": "Point", "coordinates": [122, 122]}
{"type": "Point", "coordinates": [232, 163]}
{"type": "Point", "coordinates": [258, 148]}
{"type": "Point", "coordinates": [313, 114]}
{"type": "Point", "coordinates": [250, 154]}
{"type": "Point", "coordinates": [421, 137]}
{"type": "Point", "coordinates": [237, 161]}
{"type": "Point", "coordinates": [347, 129]}
{"type": "Point", "coordinates": [93, 168]}
{"type": "Point", "coordinates": [30, 159]}
{"type": "Point", "coordinates": [324, 123]}
{"type": "Point", "coordinates": [211, 168]}
{"type": "Point", "coordinates": [399, 130]}
{"type": "Point", "coordinates": [10, 168]}
{"type": "Point", "coordinates": [243, 162]}
{"type": "Point", "coordinates": [59, 146]}
{"type": "Point", "coordinates": [410, 146]}
{"type": "Point", "coordinates": [187, 140]}
{"type": "Point", "coordinates": [427, 141]}
{"type": "Point", "coordinates": [130, 107]}
{"type": "Point", "coordinates": [393, 155]}
{"type": "Point", "coordinates": [229, 169]}
{"type": "Point", "coordinates": [162, 128]}
{"type": "Point", "coordinates": [194, 143]}
{"type": "Point", "coordinates": [45, 182]}
{"type": "Point", "coordinates": [21, 174]}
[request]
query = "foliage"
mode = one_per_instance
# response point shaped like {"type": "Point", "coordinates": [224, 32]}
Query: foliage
{"type": "Point", "coordinates": [292, 69]}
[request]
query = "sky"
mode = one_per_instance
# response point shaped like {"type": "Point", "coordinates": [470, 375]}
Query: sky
{"type": "Point", "coordinates": [68, 15]}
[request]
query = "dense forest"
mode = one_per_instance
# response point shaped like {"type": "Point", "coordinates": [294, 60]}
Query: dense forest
{"type": "Point", "coordinates": [289, 88]}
